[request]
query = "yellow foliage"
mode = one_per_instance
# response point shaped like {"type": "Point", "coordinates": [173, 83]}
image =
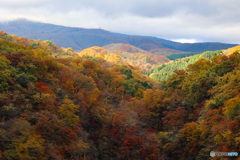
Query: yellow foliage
{"type": "Point", "coordinates": [82, 146]}
{"type": "Point", "coordinates": [231, 50]}
{"type": "Point", "coordinates": [218, 139]}
{"type": "Point", "coordinates": [231, 107]}
{"type": "Point", "coordinates": [191, 131]}
{"type": "Point", "coordinates": [153, 98]}
{"type": "Point", "coordinates": [77, 65]}
{"type": "Point", "coordinates": [94, 95]}
{"type": "Point", "coordinates": [4, 62]}
{"type": "Point", "coordinates": [237, 141]}
{"type": "Point", "coordinates": [227, 135]}
{"type": "Point", "coordinates": [104, 112]}
{"type": "Point", "coordinates": [139, 93]}
{"type": "Point", "coordinates": [68, 111]}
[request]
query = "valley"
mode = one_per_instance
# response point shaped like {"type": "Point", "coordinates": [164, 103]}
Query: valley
{"type": "Point", "coordinates": [97, 103]}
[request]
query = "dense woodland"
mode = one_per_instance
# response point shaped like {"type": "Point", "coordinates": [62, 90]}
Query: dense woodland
{"type": "Point", "coordinates": [163, 71]}
{"type": "Point", "coordinates": [179, 56]}
{"type": "Point", "coordinates": [159, 51]}
{"type": "Point", "coordinates": [143, 61]}
{"type": "Point", "coordinates": [55, 104]}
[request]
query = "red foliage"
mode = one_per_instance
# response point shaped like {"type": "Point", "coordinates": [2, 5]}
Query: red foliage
{"type": "Point", "coordinates": [220, 109]}
{"type": "Point", "coordinates": [151, 130]}
{"type": "Point", "coordinates": [64, 61]}
{"type": "Point", "coordinates": [15, 58]}
{"type": "Point", "coordinates": [93, 122]}
{"type": "Point", "coordinates": [42, 87]}
{"type": "Point", "coordinates": [65, 79]}
{"type": "Point", "coordinates": [224, 149]}
{"type": "Point", "coordinates": [196, 111]}
{"type": "Point", "coordinates": [174, 118]}
{"type": "Point", "coordinates": [127, 97]}
{"type": "Point", "coordinates": [85, 95]}
{"type": "Point", "coordinates": [234, 126]}
{"type": "Point", "coordinates": [223, 122]}
{"type": "Point", "coordinates": [40, 84]}
{"type": "Point", "coordinates": [132, 129]}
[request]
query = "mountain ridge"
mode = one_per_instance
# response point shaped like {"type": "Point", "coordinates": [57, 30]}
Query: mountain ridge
{"type": "Point", "coordinates": [57, 105]}
{"type": "Point", "coordinates": [81, 38]}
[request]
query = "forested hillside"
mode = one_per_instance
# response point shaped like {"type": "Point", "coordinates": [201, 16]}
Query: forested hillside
{"type": "Point", "coordinates": [164, 71]}
{"type": "Point", "coordinates": [124, 48]}
{"type": "Point", "coordinates": [142, 60]}
{"type": "Point", "coordinates": [133, 49]}
{"type": "Point", "coordinates": [179, 56]}
{"type": "Point", "coordinates": [85, 107]}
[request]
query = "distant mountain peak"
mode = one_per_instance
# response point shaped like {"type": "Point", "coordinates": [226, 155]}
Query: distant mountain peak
{"type": "Point", "coordinates": [80, 38]}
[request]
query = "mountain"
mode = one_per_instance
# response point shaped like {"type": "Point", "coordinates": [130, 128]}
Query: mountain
{"type": "Point", "coordinates": [124, 47]}
{"type": "Point", "coordinates": [80, 38]}
{"type": "Point", "coordinates": [126, 54]}
{"type": "Point", "coordinates": [89, 108]}
{"type": "Point", "coordinates": [162, 72]}
{"type": "Point", "coordinates": [167, 51]}
{"type": "Point", "coordinates": [133, 49]}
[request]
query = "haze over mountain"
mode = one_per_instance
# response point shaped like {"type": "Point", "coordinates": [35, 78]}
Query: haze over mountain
{"type": "Point", "coordinates": [81, 38]}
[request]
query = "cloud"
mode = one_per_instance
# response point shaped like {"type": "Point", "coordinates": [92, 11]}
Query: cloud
{"type": "Point", "coordinates": [210, 20]}
{"type": "Point", "coordinates": [185, 40]}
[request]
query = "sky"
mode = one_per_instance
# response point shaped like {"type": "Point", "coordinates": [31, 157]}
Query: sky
{"type": "Point", "coordinates": [178, 20]}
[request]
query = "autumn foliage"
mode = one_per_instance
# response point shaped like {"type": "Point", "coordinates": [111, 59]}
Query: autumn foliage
{"type": "Point", "coordinates": [55, 104]}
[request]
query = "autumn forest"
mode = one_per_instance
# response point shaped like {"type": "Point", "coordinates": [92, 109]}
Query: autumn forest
{"type": "Point", "coordinates": [106, 104]}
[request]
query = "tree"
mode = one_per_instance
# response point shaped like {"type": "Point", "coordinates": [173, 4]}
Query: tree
{"type": "Point", "coordinates": [42, 87]}
{"type": "Point", "coordinates": [128, 73]}
{"type": "Point", "coordinates": [190, 134]}
{"type": "Point", "coordinates": [153, 100]}
{"type": "Point", "coordinates": [94, 96]}
{"type": "Point", "coordinates": [26, 144]}
{"type": "Point", "coordinates": [175, 119]}
{"type": "Point", "coordinates": [129, 86]}
{"type": "Point", "coordinates": [231, 109]}
{"type": "Point", "coordinates": [68, 112]}
{"type": "Point", "coordinates": [5, 73]}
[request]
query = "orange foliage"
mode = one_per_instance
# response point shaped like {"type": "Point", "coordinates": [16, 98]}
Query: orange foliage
{"type": "Point", "coordinates": [42, 87]}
